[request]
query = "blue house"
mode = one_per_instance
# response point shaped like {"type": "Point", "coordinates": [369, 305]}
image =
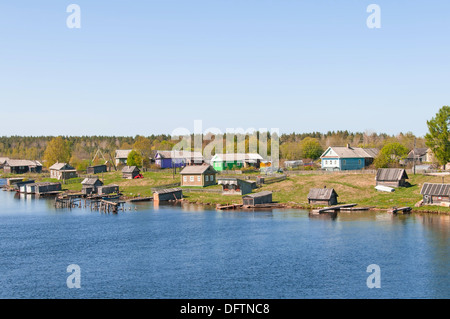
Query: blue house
{"type": "Point", "coordinates": [169, 159]}
{"type": "Point", "coordinates": [341, 158]}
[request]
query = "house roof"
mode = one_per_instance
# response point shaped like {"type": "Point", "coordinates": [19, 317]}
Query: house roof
{"type": "Point", "coordinates": [197, 169]}
{"type": "Point", "coordinates": [259, 194]}
{"type": "Point", "coordinates": [122, 153]}
{"type": "Point", "coordinates": [321, 193]}
{"type": "Point", "coordinates": [352, 152]}
{"type": "Point", "coordinates": [166, 190]}
{"type": "Point", "coordinates": [232, 181]}
{"type": "Point", "coordinates": [435, 189]}
{"type": "Point", "coordinates": [391, 174]}
{"type": "Point", "coordinates": [3, 159]}
{"type": "Point", "coordinates": [62, 166]}
{"type": "Point", "coordinates": [179, 154]}
{"type": "Point", "coordinates": [417, 152]}
{"type": "Point", "coordinates": [91, 181]}
{"type": "Point", "coordinates": [13, 162]}
{"type": "Point", "coordinates": [129, 169]}
{"type": "Point", "coordinates": [231, 157]}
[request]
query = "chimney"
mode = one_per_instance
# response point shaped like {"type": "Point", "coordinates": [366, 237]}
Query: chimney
{"type": "Point", "coordinates": [348, 145]}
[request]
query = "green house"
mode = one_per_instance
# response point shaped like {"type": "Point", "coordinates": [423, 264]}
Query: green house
{"type": "Point", "coordinates": [229, 161]}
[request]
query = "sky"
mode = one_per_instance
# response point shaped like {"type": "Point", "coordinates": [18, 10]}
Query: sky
{"type": "Point", "coordinates": [150, 67]}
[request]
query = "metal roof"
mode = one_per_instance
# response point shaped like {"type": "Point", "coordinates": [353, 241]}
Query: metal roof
{"type": "Point", "coordinates": [352, 152]}
{"type": "Point", "coordinates": [391, 174]}
{"type": "Point", "coordinates": [435, 189]}
{"type": "Point", "coordinates": [197, 169]}
{"type": "Point", "coordinates": [321, 193]}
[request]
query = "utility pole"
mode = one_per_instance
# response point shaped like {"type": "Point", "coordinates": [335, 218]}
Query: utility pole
{"type": "Point", "coordinates": [414, 157]}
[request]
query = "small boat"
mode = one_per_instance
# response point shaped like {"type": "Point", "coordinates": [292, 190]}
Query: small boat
{"type": "Point", "coordinates": [403, 210]}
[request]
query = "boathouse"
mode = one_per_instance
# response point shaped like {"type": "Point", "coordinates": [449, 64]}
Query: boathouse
{"type": "Point", "coordinates": [165, 194]}
{"type": "Point", "coordinates": [435, 194]}
{"type": "Point", "coordinates": [96, 169]}
{"type": "Point", "coordinates": [198, 175]}
{"type": "Point", "coordinates": [322, 196]}
{"type": "Point", "coordinates": [90, 185]}
{"type": "Point", "coordinates": [264, 197]}
{"type": "Point", "coordinates": [22, 185]}
{"type": "Point", "coordinates": [62, 171]}
{"type": "Point", "coordinates": [43, 188]}
{"type": "Point", "coordinates": [235, 186]}
{"type": "Point", "coordinates": [130, 172]}
{"type": "Point", "coordinates": [108, 189]}
{"type": "Point", "coordinates": [391, 177]}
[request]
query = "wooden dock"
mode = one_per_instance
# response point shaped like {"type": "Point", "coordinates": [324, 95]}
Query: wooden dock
{"type": "Point", "coordinates": [229, 206]}
{"type": "Point", "coordinates": [333, 208]}
{"type": "Point", "coordinates": [140, 199]}
{"type": "Point", "coordinates": [403, 210]}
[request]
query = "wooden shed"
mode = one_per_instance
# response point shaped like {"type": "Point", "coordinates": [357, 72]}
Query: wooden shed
{"type": "Point", "coordinates": [130, 172]}
{"type": "Point", "coordinates": [391, 177]}
{"type": "Point", "coordinates": [90, 185]}
{"type": "Point", "coordinates": [62, 171]}
{"type": "Point", "coordinates": [43, 188]}
{"type": "Point", "coordinates": [264, 197]}
{"type": "Point", "coordinates": [198, 175]}
{"type": "Point", "coordinates": [13, 166]}
{"type": "Point", "coordinates": [96, 169]}
{"type": "Point", "coordinates": [165, 194]}
{"type": "Point", "coordinates": [108, 189]}
{"type": "Point", "coordinates": [322, 196]}
{"type": "Point", "coordinates": [435, 194]}
{"type": "Point", "coordinates": [235, 186]}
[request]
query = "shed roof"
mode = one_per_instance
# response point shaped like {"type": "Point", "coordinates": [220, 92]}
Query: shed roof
{"type": "Point", "coordinates": [435, 189]}
{"type": "Point", "coordinates": [91, 181]}
{"type": "Point", "coordinates": [61, 166]}
{"type": "Point", "coordinates": [232, 181]}
{"type": "Point", "coordinates": [14, 162]}
{"type": "Point", "coordinates": [259, 194]}
{"type": "Point", "coordinates": [197, 169]}
{"type": "Point", "coordinates": [122, 153]}
{"type": "Point", "coordinates": [3, 159]}
{"type": "Point", "coordinates": [166, 190]}
{"type": "Point", "coordinates": [391, 174]}
{"type": "Point", "coordinates": [129, 169]}
{"type": "Point", "coordinates": [321, 193]}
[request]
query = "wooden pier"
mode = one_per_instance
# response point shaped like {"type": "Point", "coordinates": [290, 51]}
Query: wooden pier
{"type": "Point", "coordinates": [333, 208]}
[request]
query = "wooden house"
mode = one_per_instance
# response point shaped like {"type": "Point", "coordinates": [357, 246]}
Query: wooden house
{"type": "Point", "coordinates": [90, 185]}
{"type": "Point", "coordinates": [96, 169]}
{"type": "Point", "coordinates": [435, 194]}
{"type": "Point", "coordinates": [235, 186]}
{"type": "Point", "coordinates": [419, 155]}
{"type": "Point", "coordinates": [259, 198]}
{"type": "Point", "coordinates": [166, 194]}
{"type": "Point", "coordinates": [130, 172]}
{"type": "Point", "coordinates": [391, 177]}
{"type": "Point", "coordinates": [198, 175]}
{"type": "Point", "coordinates": [322, 196]}
{"type": "Point", "coordinates": [170, 159]}
{"type": "Point", "coordinates": [121, 156]}
{"type": "Point", "coordinates": [43, 188]}
{"type": "Point", "coordinates": [3, 161]}
{"type": "Point", "coordinates": [108, 189]}
{"type": "Point", "coordinates": [229, 161]}
{"type": "Point", "coordinates": [13, 166]}
{"type": "Point", "coordinates": [343, 158]}
{"type": "Point", "coordinates": [62, 171]}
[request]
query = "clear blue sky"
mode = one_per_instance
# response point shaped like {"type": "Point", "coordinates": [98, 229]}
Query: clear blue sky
{"type": "Point", "coordinates": [148, 67]}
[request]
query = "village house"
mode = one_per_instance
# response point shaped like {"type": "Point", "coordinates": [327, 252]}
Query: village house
{"type": "Point", "coordinates": [170, 159]}
{"type": "Point", "coordinates": [21, 166]}
{"type": "Point", "coordinates": [96, 169]}
{"type": "Point", "coordinates": [340, 158]}
{"type": "Point", "coordinates": [229, 161]}
{"type": "Point", "coordinates": [198, 175]}
{"type": "Point", "coordinates": [419, 155]}
{"type": "Point", "coordinates": [322, 196]}
{"type": "Point", "coordinates": [121, 156]}
{"type": "Point", "coordinates": [90, 185]}
{"type": "Point", "coordinates": [62, 171]}
{"type": "Point", "coordinates": [235, 186]}
{"type": "Point", "coordinates": [166, 194]}
{"type": "Point", "coordinates": [130, 172]}
{"type": "Point", "coordinates": [391, 177]}
{"type": "Point", "coordinates": [435, 194]}
{"type": "Point", "coordinates": [264, 197]}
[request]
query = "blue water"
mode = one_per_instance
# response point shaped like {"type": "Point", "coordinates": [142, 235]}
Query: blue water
{"type": "Point", "coordinates": [192, 252]}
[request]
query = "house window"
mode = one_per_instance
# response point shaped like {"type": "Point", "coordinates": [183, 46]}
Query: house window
{"type": "Point", "coordinates": [191, 178]}
{"type": "Point", "coordinates": [185, 178]}
{"type": "Point", "coordinates": [199, 178]}
{"type": "Point", "coordinates": [359, 162]}
{"type": "Point", "coordinates": [212, 178]}
{"type": "Point", "coordinates": [206, 178]}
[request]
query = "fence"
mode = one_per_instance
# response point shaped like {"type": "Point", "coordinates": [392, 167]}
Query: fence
{"type": "Point", "coordinates": [202, 190]}
{"type": "Point", "coordinates": [166, 186]}
{"type": "Point", "coordinates": [270, 180]}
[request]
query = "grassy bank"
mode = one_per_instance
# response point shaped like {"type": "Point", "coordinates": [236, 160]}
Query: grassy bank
{"type": "Point", "coordinates": [351, 188]}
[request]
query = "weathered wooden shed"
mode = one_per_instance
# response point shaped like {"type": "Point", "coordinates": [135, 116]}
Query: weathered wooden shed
{"type": "Point", "coordinates": [62, 171]}
{"type": "Point", "coordinates": [322, 196]}
{"type": "Point", "coordinates": [130, 172]}
{"type": "Point", "coordinates": [264, 197]}
{"type": "Point", "coordinates": [392, 177]}
{"type": "Point", "coordinates": [435, 194]}
{"type": "Point", "coordinates": [165, 194]}
{"type": "Point", "coordinates": [13, 166]}
{"type": "Point", "coordinates": [22, 186]}
{"type": "Point", "coordinates": [108, 189]}
{"type": "Point", "coordinates": [235, 186]}
{"type": "Point", "coordinates": [43, 188]}
{"type": "Point", "coordinates": [90, 185]}
{"type": "Point", "coordinates": [96, 169]}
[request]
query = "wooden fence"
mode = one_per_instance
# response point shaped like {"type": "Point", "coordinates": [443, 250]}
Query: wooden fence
{"type": "Point", "coordinates": [202, 190]}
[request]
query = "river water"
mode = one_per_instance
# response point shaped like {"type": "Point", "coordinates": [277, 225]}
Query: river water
{"type": "Point", "coordinates": [187, 251]}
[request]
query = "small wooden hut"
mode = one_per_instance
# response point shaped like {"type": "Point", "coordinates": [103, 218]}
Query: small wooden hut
{"type": "Point", "coordinates": [130, 172]}
{"type": "Point", "coordinates": [96, 169]}
{"type": "Point", "coordinates": [391, 177]}
{"type": "Point", "coordinates": [90, 185]}
{"type": "Point", "coordinates": [165, 194]}
{"type": "Point", "coordinates": [43, 188]}
{"type": "Point", "coordinates": [235, 186]}
{"type": "Point", "coordinates": [108, 189]}
{"type": "Point", "coordinates": [264, 197]}
{"type": "Point", "coordinates": [322, 196]}
{"type": "Point", "coordinates": [62, 171]}
{"type": "Point", "coordinates": [435, 194]}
